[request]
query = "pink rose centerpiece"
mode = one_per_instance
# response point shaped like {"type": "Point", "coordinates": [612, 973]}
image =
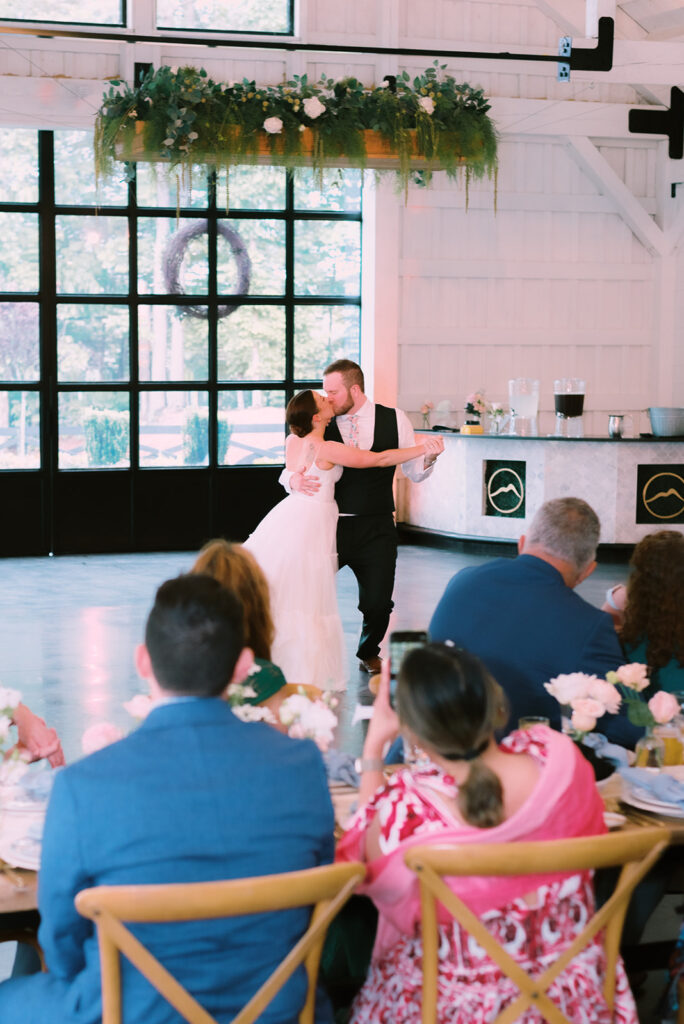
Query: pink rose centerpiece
{"type": "Point", "coordinates": [585, 699]}
{"type": "Point", "coordinates": [661, 709]}
{"type": "Point", "coordinates": [475, 406]}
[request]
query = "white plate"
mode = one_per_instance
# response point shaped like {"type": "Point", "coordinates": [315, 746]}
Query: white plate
{"type": "Point", "coordinates": [654, 806]}
{"type": "Point", "coordinates": [613, 820]}
{"type": "Point", "coordinates": [21, 853]}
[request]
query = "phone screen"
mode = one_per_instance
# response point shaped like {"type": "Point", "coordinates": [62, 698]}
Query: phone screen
{"type": "Point", "coordinates": [400, 642]}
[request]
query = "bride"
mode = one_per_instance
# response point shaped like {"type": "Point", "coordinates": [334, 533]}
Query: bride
{"type": "Point", "coordinates": [295, 545]}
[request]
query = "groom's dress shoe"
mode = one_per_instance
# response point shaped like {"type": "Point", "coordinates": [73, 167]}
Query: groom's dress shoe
{"type": "Point", "coordinates": [371, 665]}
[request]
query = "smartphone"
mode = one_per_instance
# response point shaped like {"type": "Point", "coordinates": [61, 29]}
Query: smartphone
{"type": "Point", "coordinates": [400, 642]}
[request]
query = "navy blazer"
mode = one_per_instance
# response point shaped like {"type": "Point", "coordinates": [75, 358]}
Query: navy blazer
{"type": "Point", "coordinates": [194, 794]}
{"type": "Point", "coordinates": [519, 616]}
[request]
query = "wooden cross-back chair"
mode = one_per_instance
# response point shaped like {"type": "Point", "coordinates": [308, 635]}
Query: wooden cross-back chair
{"type": "Point", "coordinates": [637, 851]}
{"type": "Point", "coordinates": [326, 889]}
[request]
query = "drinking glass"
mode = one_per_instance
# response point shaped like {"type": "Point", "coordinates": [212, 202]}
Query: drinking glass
{"type": "Point", "coordinates": [529, 721]}
{"type": "Point", "coordinates": [568, 396]}
{"type": "Point", "coordinates": [523, 398]}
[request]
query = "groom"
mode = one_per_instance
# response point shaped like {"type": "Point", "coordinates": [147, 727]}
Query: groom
{"type": "Point", "coordinates": [366, 534]}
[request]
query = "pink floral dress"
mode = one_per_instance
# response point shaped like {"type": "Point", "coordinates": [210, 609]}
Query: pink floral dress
{"type": "Point", "coordinates": [471, 988]}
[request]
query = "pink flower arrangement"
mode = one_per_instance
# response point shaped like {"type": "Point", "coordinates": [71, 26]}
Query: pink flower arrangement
{"type": "Point", "coordinates": [589, 698]}
{"type": "Point", "coordinates": [427, 408]}
{"type": "Point", "coordinates": [475, 404]}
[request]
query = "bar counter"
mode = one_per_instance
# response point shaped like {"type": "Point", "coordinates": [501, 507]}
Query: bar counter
{"type": "Point", "coordinates": [488, 486]}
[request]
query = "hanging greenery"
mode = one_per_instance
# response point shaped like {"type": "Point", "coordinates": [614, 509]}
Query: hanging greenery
{"type": "Point", "coordinates": [180, 115]}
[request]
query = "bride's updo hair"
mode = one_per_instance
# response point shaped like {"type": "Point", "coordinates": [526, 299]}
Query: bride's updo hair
{"type": "Point", "coordinates": [300, 412]}
{"type": "Point", "coordinates": [452, 705]}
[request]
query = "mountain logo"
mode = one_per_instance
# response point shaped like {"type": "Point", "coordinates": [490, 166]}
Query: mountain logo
{"type": "Point", "coordinates": [505, 491]}
{"type": "Point", "coordinates": [663, 495]}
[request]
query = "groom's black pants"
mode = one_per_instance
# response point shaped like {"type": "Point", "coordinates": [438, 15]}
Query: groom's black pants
{"type": "Point", "coordinates": [368, 545]}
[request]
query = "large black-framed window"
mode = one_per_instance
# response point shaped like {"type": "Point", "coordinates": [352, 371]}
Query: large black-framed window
{"type": "Point", "coordinates": [268, 17]}
{"type": "Point", "coordinates": [150, 332]}
{"type": "Point", "coordinates": [110, 13]}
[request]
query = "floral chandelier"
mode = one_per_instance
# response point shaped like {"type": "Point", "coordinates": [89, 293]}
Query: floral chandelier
{"type": "Point", "coordinates": [181, 116]}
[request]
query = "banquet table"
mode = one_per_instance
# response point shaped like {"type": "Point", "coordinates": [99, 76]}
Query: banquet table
{"type": "Point", "coordinates": [15, 898]}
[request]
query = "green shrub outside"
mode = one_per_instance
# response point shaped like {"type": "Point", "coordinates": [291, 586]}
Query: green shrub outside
{"type": "Point", "coordinates": [106, 436]}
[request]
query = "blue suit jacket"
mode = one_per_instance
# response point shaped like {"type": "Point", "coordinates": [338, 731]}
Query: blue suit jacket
{"type": "Point", "coordinates": [521, 619]}
{"type": "Point", "coordinates": [194, 794]}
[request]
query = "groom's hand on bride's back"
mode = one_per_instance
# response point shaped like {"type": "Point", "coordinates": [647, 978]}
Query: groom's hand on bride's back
{"type": "Point", "coordinates": [304, 484]}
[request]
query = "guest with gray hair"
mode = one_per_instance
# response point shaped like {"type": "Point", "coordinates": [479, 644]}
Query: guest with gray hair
{"type": "Point", "coordinates": [523, 619]}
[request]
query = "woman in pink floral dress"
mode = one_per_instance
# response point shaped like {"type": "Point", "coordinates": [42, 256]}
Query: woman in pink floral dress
{"type": "Point", "coordinates": [534, 786]}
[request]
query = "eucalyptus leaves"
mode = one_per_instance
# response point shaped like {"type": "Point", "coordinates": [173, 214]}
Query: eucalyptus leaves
{"type": "Point", "coordinates": [189, 119]}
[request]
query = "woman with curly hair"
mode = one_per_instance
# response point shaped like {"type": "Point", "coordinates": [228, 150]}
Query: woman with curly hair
{"type": "Point", "coordinates": [648, 611]}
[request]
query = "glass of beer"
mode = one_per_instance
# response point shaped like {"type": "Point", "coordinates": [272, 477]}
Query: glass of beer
{"type": "Point", "coordinates": [568, 396]}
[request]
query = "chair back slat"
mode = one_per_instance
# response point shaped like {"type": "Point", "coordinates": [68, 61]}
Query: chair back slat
{"type": "Point", "coordinates": [326, 889]}
{"type": "Point", "coordinates": [637, 851]}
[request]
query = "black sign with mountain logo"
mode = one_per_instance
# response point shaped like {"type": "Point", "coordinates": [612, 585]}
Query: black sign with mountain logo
{"type": "Point", "coordinates": [660, 494]}
{"type": "Point", "coordinates": [504, 488]}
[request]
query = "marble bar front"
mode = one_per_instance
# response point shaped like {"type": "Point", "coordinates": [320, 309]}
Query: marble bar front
{"type": "Point", "coordinates": [489, 486]}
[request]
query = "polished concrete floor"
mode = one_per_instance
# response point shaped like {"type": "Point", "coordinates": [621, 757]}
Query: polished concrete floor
{"type": "Point", "coordinates": [69, 626]}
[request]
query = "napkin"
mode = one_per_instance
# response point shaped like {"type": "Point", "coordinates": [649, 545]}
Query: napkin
{"type": "Point", "coordinates": [605, 749]}
{"type": "Point", "coordinates": [340, 768]}
{"type": "Point", "coordinates": [37, 785]}
{"type": "Point", "coordinates": [659, 785]}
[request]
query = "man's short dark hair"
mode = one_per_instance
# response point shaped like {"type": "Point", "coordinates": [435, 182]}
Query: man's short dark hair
{"type": "Point", "coordinates": [351, 372]}
{"type": "Point", "coordinates": [194, 635]}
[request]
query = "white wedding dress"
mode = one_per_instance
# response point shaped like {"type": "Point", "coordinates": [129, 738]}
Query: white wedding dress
{"type": "Point", "coordinates": [296, 547]}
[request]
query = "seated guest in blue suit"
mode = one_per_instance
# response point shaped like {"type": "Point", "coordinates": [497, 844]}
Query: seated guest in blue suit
{"type": "Point", "coordinates": [523, 619]}
{"type": "Point", "coordinates": [192, 795]}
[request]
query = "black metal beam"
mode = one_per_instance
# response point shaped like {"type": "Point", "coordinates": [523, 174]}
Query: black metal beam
{"type": "Point", "coordinates": [596, 58]}
{"type": "Point", "coordinates": [662, 122]}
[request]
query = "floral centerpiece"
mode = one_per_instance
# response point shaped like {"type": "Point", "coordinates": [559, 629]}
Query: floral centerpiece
{"type": "Point", "coordinates": [425, 410]}
{"type": "Point", "coordinates": [497, 414]}
{"type": "Point", "coordinates": [475, 406]}
{"type": "Point", "coordinates": [183, 116]}
{"type": "Point", "coordinates": [302, 716]}
{"type": "Point", "coordinates": [586, 698]}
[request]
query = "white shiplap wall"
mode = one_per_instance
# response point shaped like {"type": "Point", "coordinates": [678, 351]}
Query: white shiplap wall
{"type": "Point", "coordinates": [557, 282]}
{"type": "Point", "coordinates": [552, 284]}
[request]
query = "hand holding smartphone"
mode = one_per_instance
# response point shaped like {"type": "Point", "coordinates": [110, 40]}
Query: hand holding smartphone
{"type": "Point", "coordinates": [400, 642]}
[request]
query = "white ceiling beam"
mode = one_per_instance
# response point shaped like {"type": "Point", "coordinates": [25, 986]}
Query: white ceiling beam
{"type": "Point", "coordinates": [565, 117]}
{"type": "Point", "coordinates": [572, 15]}
{"type": "Point", "coordinates": [598, 170]}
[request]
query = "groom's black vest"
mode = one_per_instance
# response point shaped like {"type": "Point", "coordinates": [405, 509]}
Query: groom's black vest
{"type": "Point", "coordinates": [365, 492]}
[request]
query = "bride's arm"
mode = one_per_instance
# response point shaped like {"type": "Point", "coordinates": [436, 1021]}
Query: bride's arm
{"type": "Point", "coordinates": [357, 458]}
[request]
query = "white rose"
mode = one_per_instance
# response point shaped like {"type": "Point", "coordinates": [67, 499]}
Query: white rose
{"type": "Point", "coordinates": [313, 107]}
{"type": "Point", "coordinates": [571, 686]}
{"type": "Point", "coordinates": [273, 125]}
{"type": "Point", "coordinates": [5, 724]}
{"type": "Point", "coordinates": [427, 103]}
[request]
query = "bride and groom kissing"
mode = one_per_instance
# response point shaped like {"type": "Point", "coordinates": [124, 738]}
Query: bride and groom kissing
{"type": "Point", "coordinates": [339, 470]}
